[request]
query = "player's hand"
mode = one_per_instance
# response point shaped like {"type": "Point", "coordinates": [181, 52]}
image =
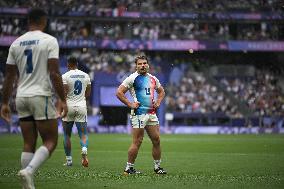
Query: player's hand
{"type": "Point", "coordinates": [156, 105]}
{"type": "Point", "coordinates": [63, 110]}
{"type": "Point", "coordinates": [135, 105]}
{"type": "Point", "coordinates": [6, 112]}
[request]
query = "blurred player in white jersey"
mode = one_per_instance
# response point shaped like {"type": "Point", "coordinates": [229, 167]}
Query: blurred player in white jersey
{"type": "Point", "coordinates": [142, 85]}
{"type": "Point", "coordinates": [34, 56]}
{"type": "Point", "coordinates": [77, 86]}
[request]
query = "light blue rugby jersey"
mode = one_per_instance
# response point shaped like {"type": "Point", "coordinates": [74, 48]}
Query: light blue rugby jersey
{"type": "Point", "coordinates": [142, 88]}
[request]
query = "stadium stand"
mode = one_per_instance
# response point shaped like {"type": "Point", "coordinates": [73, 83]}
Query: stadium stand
{"type": "Point", "coordinates": [193, 46]}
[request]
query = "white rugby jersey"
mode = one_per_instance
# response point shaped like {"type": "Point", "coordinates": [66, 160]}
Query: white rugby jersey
{"type": "Point", "coordinates": [142, 89]}
{"type": "Point", "coordinates": [77, 82]}
{"type": "Point", "coordinates": [30, 52]}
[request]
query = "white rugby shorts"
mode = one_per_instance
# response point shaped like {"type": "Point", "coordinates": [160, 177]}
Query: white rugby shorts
{"type": "Point", "coordinates": [40, 107]}
{"type": "Point", "coordinates": [140, 121]}
{"type": "Point", "coordinates": [76, 113]}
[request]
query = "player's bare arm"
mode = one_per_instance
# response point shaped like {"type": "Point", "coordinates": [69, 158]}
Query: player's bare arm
{"type": "Point", "coordinates": [161, 95]}
{"type": "Point", "coordinates": [57, 84]}
{"type": "Point", "coordinates": [66, 90]}
{"type": "Point", "coordinates": [10, 77]}
{"type": "Point", "coordinates": [88, 91]}
{"type": "Point", "coordinates": [121, 96]}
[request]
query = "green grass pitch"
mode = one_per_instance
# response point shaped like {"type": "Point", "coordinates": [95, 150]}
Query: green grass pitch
{"type": "Point", "coordinates": [192, 161]}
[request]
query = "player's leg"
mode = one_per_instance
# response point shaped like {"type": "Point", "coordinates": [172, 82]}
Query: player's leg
{"type": "Point", "coordinates": [154, 135]}
{"type": "Point", "coordinates": [49, 134]}
{"type": "Point", "coordinates": [44, 114]}
{"type": "Point", "coordinates": [29, 134]}
{"type": "Point", "coordinates": [81, 124]}
{"type": "Point", "coordinates": [137, 138]}
{"type": "Point", "coordinates": [80, 118]}
{"type": "Point", "coordinates": [67, 130]}
{"type": "Point", "coordinates": [138, 124]}
{"type": "Point", "coordinates": [28, 129]}
{"type": "Point", "coordinates": [68, 123]}
{"type": "Point", "coordinates": [48, 131]}
{"type": "Point", "coordinates": [153, 131]}
{"type": "Point", "coordinates": [83, 134]}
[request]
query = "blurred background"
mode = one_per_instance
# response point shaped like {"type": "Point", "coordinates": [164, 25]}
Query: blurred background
{"type": "Point", "coordinates": [221, 62]}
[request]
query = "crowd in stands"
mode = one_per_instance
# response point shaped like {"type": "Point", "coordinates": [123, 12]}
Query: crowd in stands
{"type": "Point", "coordinates": [69, 29]}
{"type": "Point", "coordinates": [260, 93]}
{"type": "Point", "coordinates": [190, 92]}
{"type": "Point", "coordinates": [12, 26]}
{"type": "Point", "coordinates": [112, 61]}
{"type": "Point", "coordinates": [90, 7]}
{"type": "Point", "coordinates": [3, 56]}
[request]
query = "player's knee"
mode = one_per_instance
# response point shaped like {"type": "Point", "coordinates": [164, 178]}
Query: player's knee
{"type": "Point", "coordinates": [51, 145]}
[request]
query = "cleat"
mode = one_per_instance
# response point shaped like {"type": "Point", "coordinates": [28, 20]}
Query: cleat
{"type": "Point", "coordinates": [131, 171]}
{"type": "Point", "coordinates": [26, 179]}
{"type": "Point", "coordinates": [85, 161]}
{"type": "Point", "coordinates": [68, 163]}
{"type": "Point", "coordinates": [160, 171]}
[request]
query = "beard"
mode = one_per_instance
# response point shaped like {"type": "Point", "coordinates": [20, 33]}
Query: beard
{"type": "Point", "coordinates": [143, 71]}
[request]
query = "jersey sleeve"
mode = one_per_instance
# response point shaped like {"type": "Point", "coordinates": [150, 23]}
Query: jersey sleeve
{"type": "Point", "coordinates": [128, 82]}
{"type": "Point", "coordinates": [11, 58]}
{"type": "Point", "coordinates": [53, 49]}
{"type": "Point", "coordinates": [64, 79]}
{"type": "Point", "coordinates": [88, 80]}
{"type": "Point", "coordinates": [158, 84]}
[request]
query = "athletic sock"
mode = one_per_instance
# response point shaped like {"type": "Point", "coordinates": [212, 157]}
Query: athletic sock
{"type": "Point", "coordinates": [129, 165]}
{"type": "Point", "coordinates": [85, 150]}
{"type": "Point", "coordinates": [157, 164]}
{"type": "Point", "coordinates": [69, 158]}
{"type": "Point", "coordinates": [26, 158]}
{"type": "Point", "coordinates": [40, 156]}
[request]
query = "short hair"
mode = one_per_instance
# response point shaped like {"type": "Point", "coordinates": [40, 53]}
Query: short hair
{"type": "Point", "coordinates": [72, 60]}
{"type": "Point", "coordinates": [35, 15]}
{"type": "Point", "coordinates": [143, 57]}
